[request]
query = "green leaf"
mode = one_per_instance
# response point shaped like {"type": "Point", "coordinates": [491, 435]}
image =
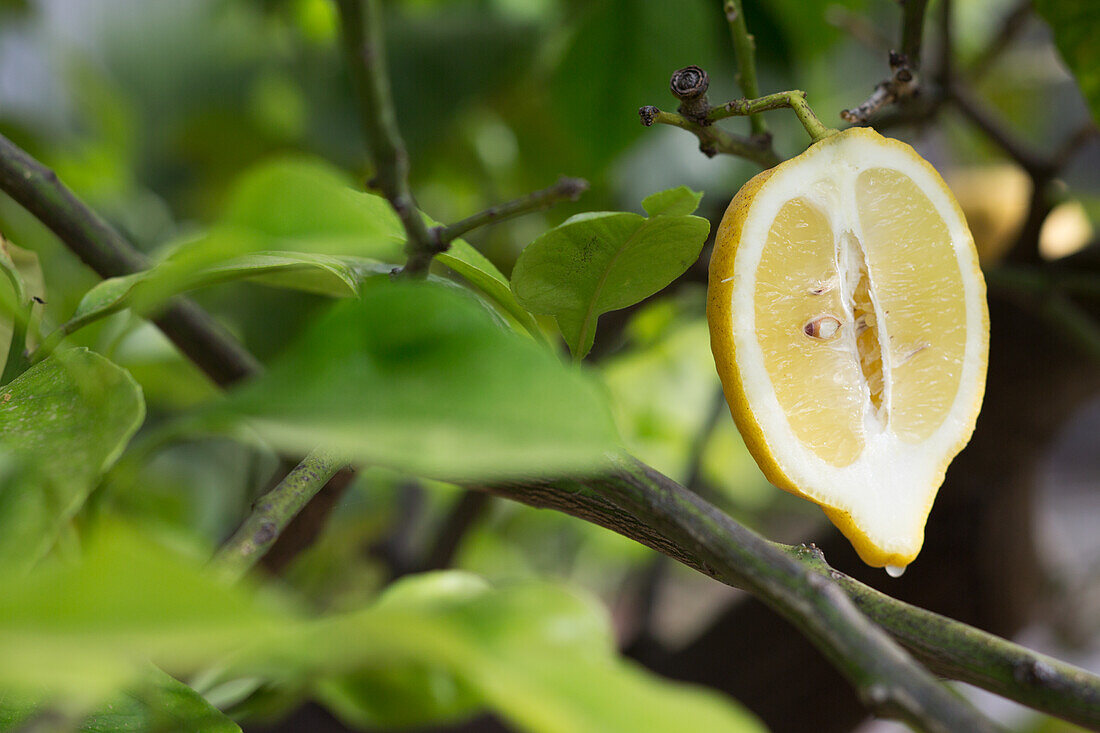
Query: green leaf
{"type": "Point", "coordinates": [315, 273]}
{"type": "Point", "coordinates": [159, 704]}
{"type": "Point", "coordinates": [484, 275]}
{"type": "Point", "coordinates": [295, 223]}
{"type": "Point", "coordinates": [1074, 24]}
{"type": "Point", "coordinates": [418, 377]}
{"type": "Point", "coordinates": [316, 206]}
{"type": "Point", "coordinates": [538, 654]}
{"type": "Point", "coordinates": [447, 643]}
{"type": "Point", "coordinates": [66, 419]}
{"type": "Point", "coordinates": [679, 201]}
{"type": "Point", "coordinates": [79, 632]}
{"type": "Point", "coordinates": [603, 261]}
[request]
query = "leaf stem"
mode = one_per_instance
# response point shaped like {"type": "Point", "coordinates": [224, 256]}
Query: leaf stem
{"type": "Point", "coordinates": [794, 99]}
{"type": "Point", "coordinates": [365, 49]}
{"type": "Point", "coordinates": [566, 189]}
{"type": "Point", "coordinates": [744, 47]}
{"type": "Point", "coordinates": [272, 513]}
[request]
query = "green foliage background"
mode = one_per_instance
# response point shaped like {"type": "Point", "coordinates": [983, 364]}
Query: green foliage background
{"type": "Point", "coordinates": [221, 138]}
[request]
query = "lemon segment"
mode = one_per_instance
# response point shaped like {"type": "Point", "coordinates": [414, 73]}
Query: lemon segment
{"type": "Point", "coordinates": [849, 327]}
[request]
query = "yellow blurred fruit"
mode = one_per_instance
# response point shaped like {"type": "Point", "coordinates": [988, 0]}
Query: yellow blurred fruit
{"type": "Point", "coordinates": [995, 200]}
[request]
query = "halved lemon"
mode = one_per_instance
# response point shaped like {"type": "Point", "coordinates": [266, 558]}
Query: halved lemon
{"type": "Point", "coordinates": [849, 326]}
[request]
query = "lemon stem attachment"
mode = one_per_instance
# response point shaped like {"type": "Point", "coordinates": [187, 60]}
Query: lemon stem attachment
{"type": "Point", "coordinates": [695, 115]}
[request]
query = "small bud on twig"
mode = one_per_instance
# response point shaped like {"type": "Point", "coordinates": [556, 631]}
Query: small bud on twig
{"type": "Point", "coordinates": [689, 85]}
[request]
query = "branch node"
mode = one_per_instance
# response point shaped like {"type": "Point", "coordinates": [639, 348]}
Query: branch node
{"type": "Point", "coordinates": [902, 83]}
{"type": "Point", "coordinates": [689, 85]}
{"type": "Point", "coordinates": [1033, 672]}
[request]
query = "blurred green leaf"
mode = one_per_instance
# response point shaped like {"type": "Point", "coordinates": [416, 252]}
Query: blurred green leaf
{"type": "Point", "coordinates": [81, 631]}
{"type": "Point", "coordinates": [619, 58]}
{"type": "Point", "coordinates": [67, 420]}
{"type": "Point", "coordinates": [302, 204]}
{"type": "Point", "coordinates": [603, 261]}
{"type": "Point", "coordinates": [453, 56]}
{"type": "Point", "coordinates": [417, 377]}
{"type": "Point", "coordinates": [541, 656]}
{"type": "Point", "coordinates": [805, 25]}
{"type": "Point", "coordinates": [159, 704]}
{"type": "Point", "coordinates": [1074, 24]}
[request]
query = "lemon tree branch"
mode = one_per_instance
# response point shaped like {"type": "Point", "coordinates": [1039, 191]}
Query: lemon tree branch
{"type": "Point", "coordinates": [695, 115]}
{"type": "Point", "coordinates": [640, 503]}
{"type": "Point", "coordinates": [272, 513]}
{"type": "Point", "coordinates": [744, 47]}
{"type": "Point", "coordinates": [647, 506]}
{"type": "Point", "coordinates": [364, 46]}
{"type": "Point", "coordinates": [100, 246]}
{"type": "Point", "coordinates": [713, 140]}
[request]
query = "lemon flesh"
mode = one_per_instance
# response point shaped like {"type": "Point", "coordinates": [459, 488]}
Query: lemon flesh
{"type": "Point", "coordinates": [849, 327]}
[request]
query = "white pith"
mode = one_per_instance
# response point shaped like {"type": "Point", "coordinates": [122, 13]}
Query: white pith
{"type": "Point", "coordinates": [888, 490]}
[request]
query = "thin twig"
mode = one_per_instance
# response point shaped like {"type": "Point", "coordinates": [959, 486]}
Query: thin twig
{"type": "Point", "coordinates": [645, 505]}
{"type": "Point", "coordinates": [712, 139]}
{"type": "Point", "coordinates": [272, 513]}
{"type": "Point", "coordinates": [566, 189]}
{"type": "Point", "coordinates": [904, 79]}
{"type": "Point", "coordinates": [912, 30]}
{"type": "Point", "coordinates": [744, 47]}
{"type": "Point", "coordinates": [858, 27]}
{"type": "Point", "coordinates": [794, 99]}
{"type": "Point", "coordinates": [364, 46]}
{"type": "Point", "coordinates": [648, 507]}
{"type": "Point", "coordinates": [462, 517]}
{"type": "Point", "coordinates": [101, 247]}
{"type": "Point", "coordinates": [1010, 27]}
{"type": "Point", "coordinates": [1035, 164]}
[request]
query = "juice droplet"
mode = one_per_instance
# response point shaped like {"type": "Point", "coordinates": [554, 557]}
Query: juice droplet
{"type": "Point", "coordinates": [895, 571]}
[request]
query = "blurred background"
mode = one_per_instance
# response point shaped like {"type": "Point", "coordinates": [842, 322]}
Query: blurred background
{"type": "Point", "coordinates": [151, 110]}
